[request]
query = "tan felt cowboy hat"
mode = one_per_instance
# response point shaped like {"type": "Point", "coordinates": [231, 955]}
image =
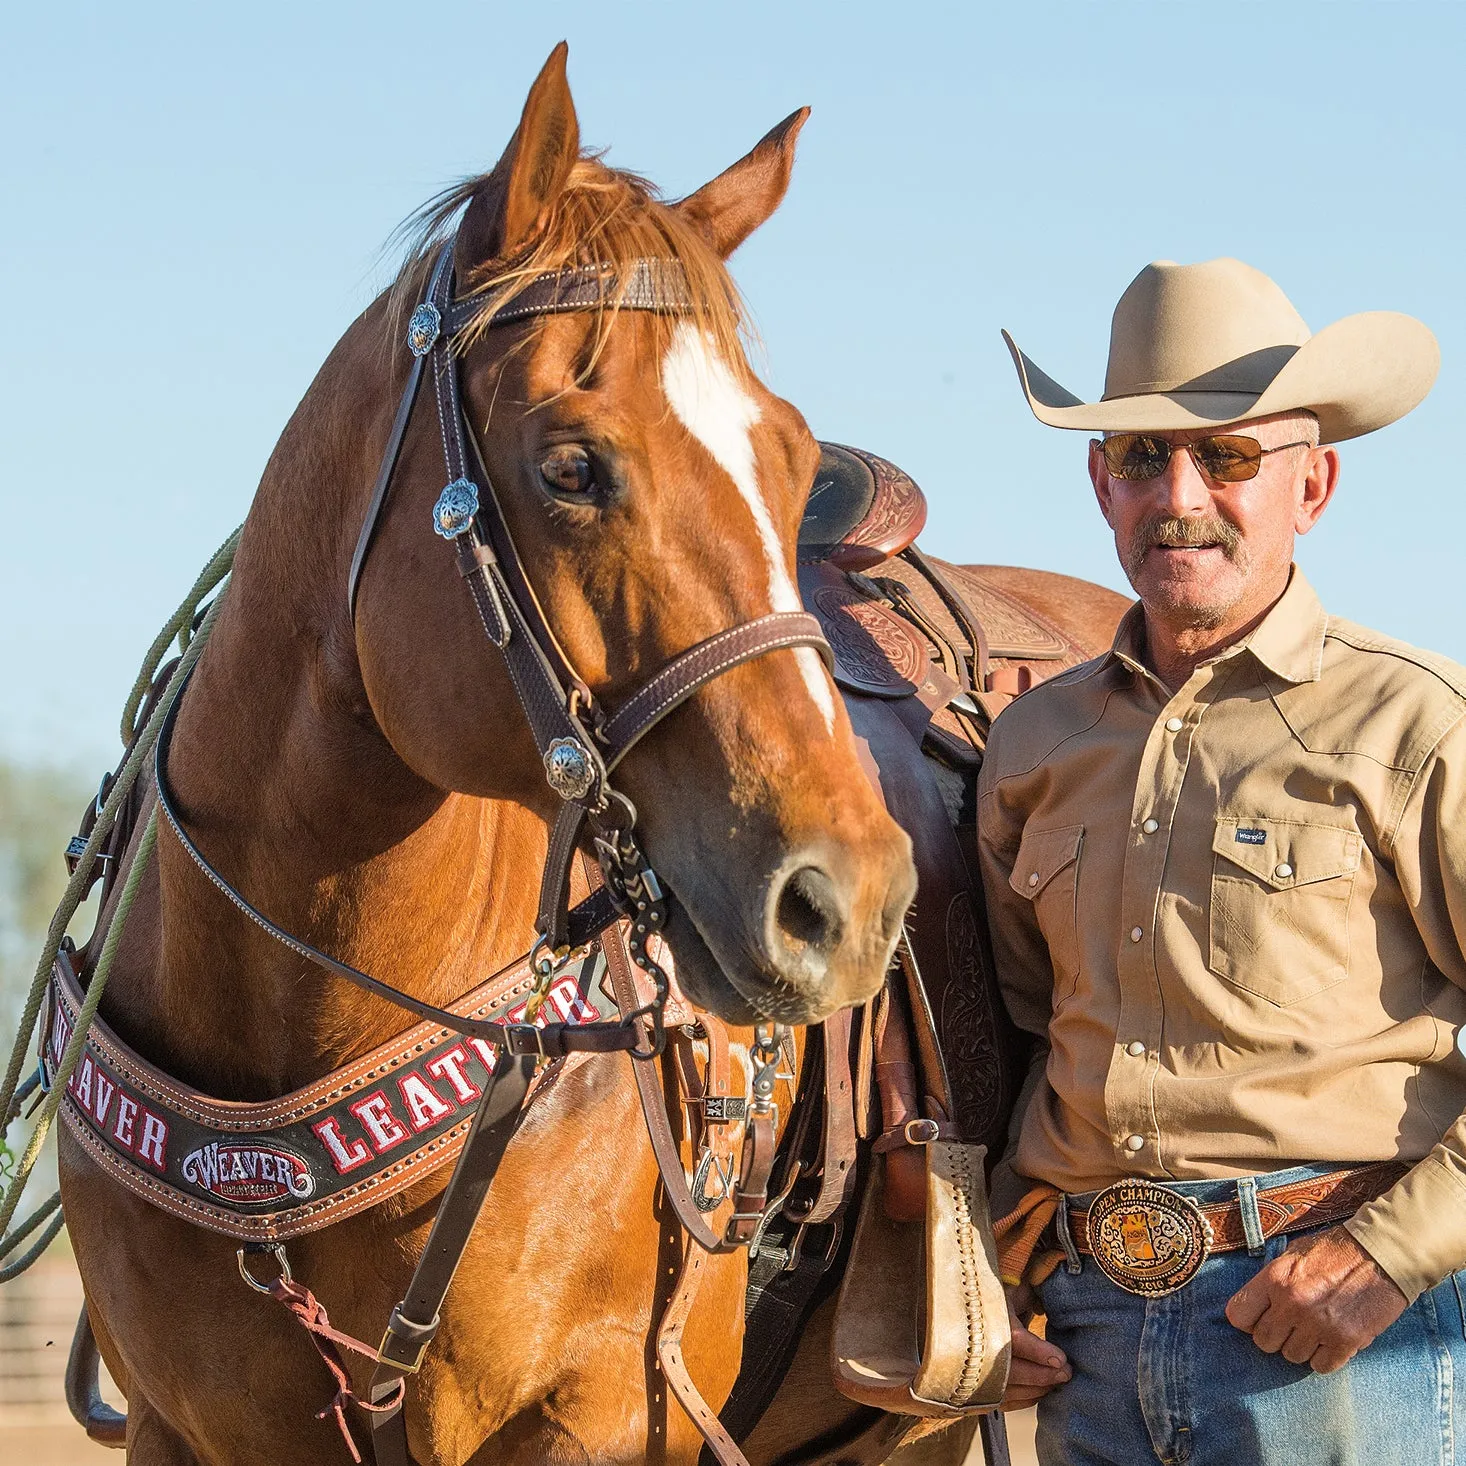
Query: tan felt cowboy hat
{"type": "Point", "coordinates": [1196, 346]}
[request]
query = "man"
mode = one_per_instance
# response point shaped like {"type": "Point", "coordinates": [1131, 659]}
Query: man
{"type": "Point", "coordinates": [1225, 866]}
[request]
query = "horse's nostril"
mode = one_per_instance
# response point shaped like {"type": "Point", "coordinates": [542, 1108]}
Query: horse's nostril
{"type": "Point", "coordinates": [808, 913]}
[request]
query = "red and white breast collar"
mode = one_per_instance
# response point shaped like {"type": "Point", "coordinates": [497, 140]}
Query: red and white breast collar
{"type": "Point", "coordinates": [274, 1169]}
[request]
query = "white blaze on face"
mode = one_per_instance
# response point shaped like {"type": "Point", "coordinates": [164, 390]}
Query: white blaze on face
{"type": "Point", "coordinates": [711, 404]}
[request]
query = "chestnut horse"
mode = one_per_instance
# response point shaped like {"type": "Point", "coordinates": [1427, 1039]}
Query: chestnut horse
{"type": "Point", "coordinates": [370, 784]}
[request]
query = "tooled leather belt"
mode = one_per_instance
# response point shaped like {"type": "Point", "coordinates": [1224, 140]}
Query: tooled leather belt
{"type": "Point", "coordinates": [1151, 1240]}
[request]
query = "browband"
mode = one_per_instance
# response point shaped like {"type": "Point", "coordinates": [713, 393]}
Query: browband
{"type": "Point", "coordinates": [649, 285]}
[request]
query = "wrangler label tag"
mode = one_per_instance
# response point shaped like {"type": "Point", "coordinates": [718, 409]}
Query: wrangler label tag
{"type": "Point", "coordinates": [1251, 837]}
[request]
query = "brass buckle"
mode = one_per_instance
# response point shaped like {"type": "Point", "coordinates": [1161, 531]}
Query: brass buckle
{"type": "Point", "coordinates": [384, 1358]}
{"type": "Point", "coordinates": [515, 1036]}
{"type": "Point", "coordinates": [1147, 1239]}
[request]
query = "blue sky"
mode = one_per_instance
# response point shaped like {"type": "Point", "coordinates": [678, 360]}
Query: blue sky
{"type": "Point", "coordinates": [196, 198]}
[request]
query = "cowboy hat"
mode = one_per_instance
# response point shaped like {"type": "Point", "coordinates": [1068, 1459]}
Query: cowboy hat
{"type": "Point", "coordinates": [1195, 346]}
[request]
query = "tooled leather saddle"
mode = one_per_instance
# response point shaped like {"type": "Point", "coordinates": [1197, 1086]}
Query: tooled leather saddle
{"type": "Point", "coordinates": [926, 655]}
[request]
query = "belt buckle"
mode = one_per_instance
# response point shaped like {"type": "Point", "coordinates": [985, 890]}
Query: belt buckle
{"type": "Point", "coordinates": [1146, 1239]}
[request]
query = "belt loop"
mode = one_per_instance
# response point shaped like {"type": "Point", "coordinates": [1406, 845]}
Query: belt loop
{"type": "Point", "coordinates": [1251, 1219]}
{"type": "Point", "coordinates": [1072, 1263]}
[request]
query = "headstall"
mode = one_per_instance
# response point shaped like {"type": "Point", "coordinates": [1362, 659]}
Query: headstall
{"type": "Point", "coordinates": [581, 744]}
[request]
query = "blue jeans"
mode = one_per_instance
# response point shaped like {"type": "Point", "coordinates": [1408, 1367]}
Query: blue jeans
{"type": "Point", "coordinates": [1170, 1380]}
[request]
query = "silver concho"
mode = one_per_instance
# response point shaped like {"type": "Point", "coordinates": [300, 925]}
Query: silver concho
{"type": "Point", "coordinates": [456, 506]}
{"type": "Point", "coordinates": [569, 769]}
{"type": "Point", "coordinates": [423, 328]}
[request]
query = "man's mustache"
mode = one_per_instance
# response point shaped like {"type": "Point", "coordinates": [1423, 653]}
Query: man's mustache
{"type": "Point", "coordinates": [1172, 533]}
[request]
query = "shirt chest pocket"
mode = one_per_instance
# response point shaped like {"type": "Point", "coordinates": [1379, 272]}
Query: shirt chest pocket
{"type": "Point", "coordinates": [1047, 874]}
{"type": "Point", "coordinates": [1280, 894]}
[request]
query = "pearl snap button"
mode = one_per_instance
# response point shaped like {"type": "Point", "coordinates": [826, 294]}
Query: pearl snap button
{"type": "Point", "coordinates": [1135, 1142]}
{"type": "Point", "coordinates": [1135, 1048]}
{"type": "Point", "coordinates": [1136, 933]}
{"type": "Point", "coordinates": [1174, 725]}
{"type": "Point", "coordinates": [1150, 827]}
{"type": "Point", "coordinates": [1283, 871]}
{"type": "Point", "coordinates": [1033, 879]}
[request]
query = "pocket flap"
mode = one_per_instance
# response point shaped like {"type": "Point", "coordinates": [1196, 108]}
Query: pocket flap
{"type": "Point", "coordinates": [1042, 855]}
{"type": "Point", "coordinates": [1285, 853]}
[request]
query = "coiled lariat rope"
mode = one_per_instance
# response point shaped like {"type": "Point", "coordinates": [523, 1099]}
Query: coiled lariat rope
{"type": "Point", "coordinates": [139, 742]}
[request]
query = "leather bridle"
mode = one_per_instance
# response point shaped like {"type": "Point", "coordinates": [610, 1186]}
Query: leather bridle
{"type": "Point", "coordinates": [581, 744]}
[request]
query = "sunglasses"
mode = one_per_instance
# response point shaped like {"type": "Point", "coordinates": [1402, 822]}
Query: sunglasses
{"type": "Point", "coordinates": [1225, 459]}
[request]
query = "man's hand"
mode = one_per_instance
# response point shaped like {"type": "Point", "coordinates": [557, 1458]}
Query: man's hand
{"type": "Point", "coordinates": [1037, 1365]}
{"type": "Point", "coordinates": [1319, 1303]}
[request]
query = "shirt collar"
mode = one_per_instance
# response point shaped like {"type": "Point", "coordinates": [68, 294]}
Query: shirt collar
{"type": "Point", "coordinates": [1288, 641]}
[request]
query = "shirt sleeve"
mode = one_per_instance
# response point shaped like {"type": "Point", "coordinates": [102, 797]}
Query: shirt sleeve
{"type": "Point", "coordinates": [1416, 1231]}
{"type": "Point", "coordinates": [1020, 956]}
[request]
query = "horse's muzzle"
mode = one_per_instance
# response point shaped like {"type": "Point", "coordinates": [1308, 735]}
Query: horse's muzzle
{"type": "Point", "coordinates": [831, 919]}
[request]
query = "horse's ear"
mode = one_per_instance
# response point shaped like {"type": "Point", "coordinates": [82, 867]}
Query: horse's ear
{"type": "Point", "coordinates": [740, 198]}
{"type": "Point", "coordinates": [511, 207]}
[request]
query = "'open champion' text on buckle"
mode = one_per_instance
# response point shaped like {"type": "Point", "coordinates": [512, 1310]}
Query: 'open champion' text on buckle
{"type": "Point", "coordinates": [1146, 1239]}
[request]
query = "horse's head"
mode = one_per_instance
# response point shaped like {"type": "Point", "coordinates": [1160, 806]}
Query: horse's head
{"type": "Point", "coordinates": [653, 486]}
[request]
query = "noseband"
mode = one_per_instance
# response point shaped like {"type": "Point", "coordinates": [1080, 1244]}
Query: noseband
{"type": "Point", "coordinates": [579, 741]}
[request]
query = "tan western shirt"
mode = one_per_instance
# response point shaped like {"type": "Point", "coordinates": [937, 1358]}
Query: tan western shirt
{"type": "Point", "coordinates": [1236, 915]}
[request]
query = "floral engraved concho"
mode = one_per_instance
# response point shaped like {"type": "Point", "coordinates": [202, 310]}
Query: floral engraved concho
{"type": "Point", "coordinates": [569, 769]}
{"type": "Point", "coordinates": [423, 328]}
{"type": "Point", "coordinates": [456, 506]}
{"type": "Point", "coordinates": [1146, 1239]}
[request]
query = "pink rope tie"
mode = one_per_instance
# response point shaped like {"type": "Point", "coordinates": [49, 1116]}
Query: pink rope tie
{"type": "Point", "coordinates": [311, 1315]}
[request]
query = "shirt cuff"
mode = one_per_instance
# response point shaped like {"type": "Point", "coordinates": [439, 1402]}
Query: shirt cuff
{"type": "Point", "coordinates": [1416, 1231]}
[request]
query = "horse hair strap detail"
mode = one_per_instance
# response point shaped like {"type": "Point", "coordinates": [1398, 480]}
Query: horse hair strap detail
{"type": "Point", "coordinates": [658, 285]}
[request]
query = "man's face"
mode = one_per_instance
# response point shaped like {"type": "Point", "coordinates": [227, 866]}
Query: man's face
{"type": "Point", "coordinates": [1203, 554]}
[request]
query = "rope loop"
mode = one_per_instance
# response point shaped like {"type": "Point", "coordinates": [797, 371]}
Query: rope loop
{"type": "Point", "coordinates": [139, 742]}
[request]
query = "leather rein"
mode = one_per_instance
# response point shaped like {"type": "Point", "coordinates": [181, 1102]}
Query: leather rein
{"type": "Point", "coordinates": [581, 744]}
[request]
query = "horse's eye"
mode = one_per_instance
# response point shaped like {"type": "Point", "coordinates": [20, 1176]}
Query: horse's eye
{"type": "Point", "coordinates": [568, 470]}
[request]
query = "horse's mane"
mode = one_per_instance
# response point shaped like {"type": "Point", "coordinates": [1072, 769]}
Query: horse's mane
{"type": "Point", "coordinates": [604, 216]}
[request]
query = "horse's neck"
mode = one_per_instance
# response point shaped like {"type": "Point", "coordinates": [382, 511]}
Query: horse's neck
{"type": "Point", "coordinates": [288, 786]}
{"type": "Point", "coordinates": [316, 822]}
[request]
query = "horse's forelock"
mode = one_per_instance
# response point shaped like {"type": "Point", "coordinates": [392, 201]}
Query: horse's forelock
{"type": "Point", "coordinates": [604, 216]}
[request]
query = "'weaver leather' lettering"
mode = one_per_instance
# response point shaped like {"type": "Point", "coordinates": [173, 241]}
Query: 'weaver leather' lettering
{"type": "Point", "coordinates": [122, 1118]}
{"type": "Point", "coordinates": [276, 1168]}
{"type": "Point", "coordinates": [248, 1173]}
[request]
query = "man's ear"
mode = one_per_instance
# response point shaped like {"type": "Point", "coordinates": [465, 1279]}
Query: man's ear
{"type": "Point", "coordinates": [1317, 489]}
{"type": "Point", "coordinates": [512, 206]}
{"type": "Point", "coordinates": [1099, 476]}
{"type": "Point", "coordinates": [740, 198]}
